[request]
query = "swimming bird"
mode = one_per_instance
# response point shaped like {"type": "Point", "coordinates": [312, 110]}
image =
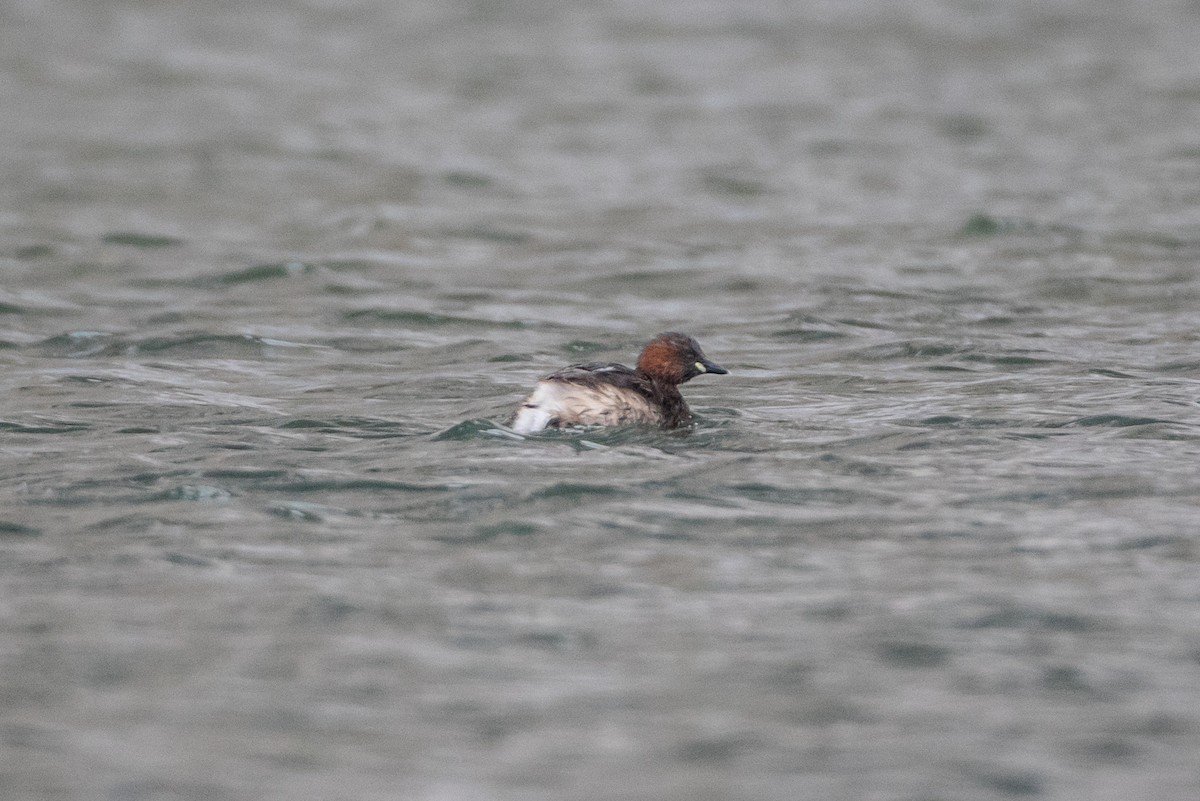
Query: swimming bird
{"type": "Point", "coordinates": [610, 394]}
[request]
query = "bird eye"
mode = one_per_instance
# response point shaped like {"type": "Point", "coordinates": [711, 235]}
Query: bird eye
{"type": "Point", "coordinates": [700, 366]}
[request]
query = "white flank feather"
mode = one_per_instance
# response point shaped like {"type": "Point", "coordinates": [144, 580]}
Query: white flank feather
{"type": "Point", "coordinates": [538, 409]}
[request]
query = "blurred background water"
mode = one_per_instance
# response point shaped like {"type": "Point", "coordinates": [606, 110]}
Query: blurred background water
{"type": "Point", "coordinates": [274, 275]}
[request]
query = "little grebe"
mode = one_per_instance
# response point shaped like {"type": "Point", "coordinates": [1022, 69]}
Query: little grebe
{"type": "Point", "coordinates": [613, 394]}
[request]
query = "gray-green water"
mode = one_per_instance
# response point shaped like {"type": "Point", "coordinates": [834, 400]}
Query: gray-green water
{"type": "Point", "coordinates": [273, 274]}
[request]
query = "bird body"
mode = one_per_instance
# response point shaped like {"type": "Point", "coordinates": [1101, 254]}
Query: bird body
{"type": "Point", "coordinates": [609, 394]}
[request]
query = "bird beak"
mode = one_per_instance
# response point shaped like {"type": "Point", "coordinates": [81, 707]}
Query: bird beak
{"type": "Point", "coordinates": [705, 366]}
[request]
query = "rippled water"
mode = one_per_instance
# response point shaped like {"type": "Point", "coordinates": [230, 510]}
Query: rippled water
{"type": "Point", "coordinates": [274, 275]}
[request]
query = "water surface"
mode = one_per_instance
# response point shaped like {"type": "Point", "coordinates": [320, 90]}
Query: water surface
{"type": "Point", "coordinates": [275, 275]}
